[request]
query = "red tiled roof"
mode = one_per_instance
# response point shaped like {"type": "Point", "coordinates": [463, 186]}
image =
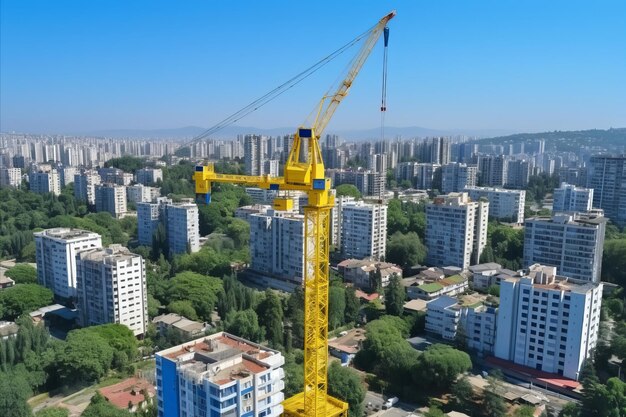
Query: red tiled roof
{"type": "Point", "coordinates": [120, 394]}
{"type": "Point", "coordinates": [366, 296]}
{"type": "Point", "coordinates": [541, 376]}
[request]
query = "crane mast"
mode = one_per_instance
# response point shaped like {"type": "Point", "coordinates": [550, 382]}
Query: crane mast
{"type": "Point", "coordinates": [304, 171]}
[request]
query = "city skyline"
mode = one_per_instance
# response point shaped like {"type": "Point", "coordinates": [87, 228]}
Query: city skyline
{"type": "Point", "coordinates": [518, 67]}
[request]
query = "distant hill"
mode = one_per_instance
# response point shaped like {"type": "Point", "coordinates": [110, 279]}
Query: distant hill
{"type": "Point", "coordinates": [612, 139]}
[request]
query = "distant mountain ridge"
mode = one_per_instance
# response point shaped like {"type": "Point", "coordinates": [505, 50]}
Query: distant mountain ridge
{"type": "Point", "coordinates": [613, 139]}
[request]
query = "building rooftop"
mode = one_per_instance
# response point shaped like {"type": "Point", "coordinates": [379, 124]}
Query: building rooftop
{"type": "Point", "coordinates": [349, 342]}
{"type": "Point", "coordinates": [8, 328]}
{"type": "Point", "coordinates": [64, 233]}
{"type": "Point", "coordinates": [128, 391]}
{"type": "Point", "coordinates": [431, 287]}
{"type": "Point", "coordinates": [489, 266]}
{"type": "Point", "coordinates": [221, 358]}
{"type": "Point", "coordinates": [442, 302]}
{"type": "Point", "coordinates": [496, 189]}
{"type": "Point", "coordinates": [416, 305]}
{"type": "Point", "coordinates": [110, 255]}
{"type": "Point", "coordinates": [6, 280]}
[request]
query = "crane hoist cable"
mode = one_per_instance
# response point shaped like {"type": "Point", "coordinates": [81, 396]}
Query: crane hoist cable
{"type": "Point", "coordinates": [383, 100]}
{"type": "Point", "coordinates": [276, 92]}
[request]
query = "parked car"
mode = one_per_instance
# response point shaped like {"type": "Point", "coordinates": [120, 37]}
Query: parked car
{"type": "Point", "coordinates": [390, 402]}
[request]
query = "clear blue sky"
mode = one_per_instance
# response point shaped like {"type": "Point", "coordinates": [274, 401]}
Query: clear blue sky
{"type": "Point", "coordinates": [69, 66]}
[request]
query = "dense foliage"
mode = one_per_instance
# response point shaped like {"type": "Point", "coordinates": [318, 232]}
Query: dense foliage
{"type": "Point", "coordinates": [23, 298]}
{"type": "Point", "coordinates": [22, 274]}
{"type": "Point", "coordinates": [505, 245]}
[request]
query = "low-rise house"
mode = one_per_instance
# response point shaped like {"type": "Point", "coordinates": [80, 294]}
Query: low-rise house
{"type": "Point", "coordinates": [488, 274]}
{"type": "Point", "coordinates": [449, 286]}
{"type": "Point", "coordinates": [415, 306]}
{"type": "Point", "coordinates": [8, 329]}
{"type": "Point", "coordinates": [347, 345]}
{"type": "Point", "coordinates": [130, 394]}
{"type": "Point", "coordinates": [362, 272]}
{"type": "Point", "coordinates": [187, 328]}
{"type": "Point", "coordinates": [6, 282]}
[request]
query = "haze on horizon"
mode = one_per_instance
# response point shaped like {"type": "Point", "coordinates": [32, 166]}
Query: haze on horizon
{"type": "Point", "coordinates": [70, 66]}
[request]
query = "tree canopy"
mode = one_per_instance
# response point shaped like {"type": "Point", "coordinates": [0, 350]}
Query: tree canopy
{"type": "Point", "coordinates": [348, 190]}
{"type": "Point", "coordinates": [345, 384]}
{"type": "Point", "coordinates": [405, 250]}
{"type": "Point", "coordinates": [23, 298]}
{"type": "Point", "coordinates": [22, 274]}
{"type": "Point", "coordinates": [201, 291]}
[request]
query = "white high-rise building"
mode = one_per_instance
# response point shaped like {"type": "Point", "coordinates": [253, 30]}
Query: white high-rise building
{"type": "Point", "coordinates": [148, 176]}
{"type": "Point", "coordinates": [571, 242]}
{"type": "Point", "coordinates": [255, 154]}
{"type": "Point", "coordinates": [455, 177]}
{"type": "Point", "coordinates": [277, 249]}
{"type": "Point", "coordinates": [573, 199]}
{"type": "Point", "coordinates": [505, 205]}
{"type": "Point", "coordinates": [45, 182]}
{"type": "Point", "coordinates": [148, 217]}
{"type": "Point", "coordinates": [456, 230]}
{"type": "Point", "coordinates": [10, 177]}
{"type": "Point", "coordinates": [546, 322]}
{"type": "Point", "coordinates": [364, 230]}
{"type": "Point", "coordinates": [219, 372]}
{"type": "Point", "coordinates": [336, 219]}
{"type": "Point", "coordinates": [85, 186]}
{"type": "Point", "coordinates": [111, 198]}
{"type": "Point", "coordinates": [607, 178]}
{"type": "Point", "coordinates": [66, 176]}
{"type": "Point", "coordinates": [111, 288]}
{"type": "Point", "coordinates": [183, 227]}
{"type": "Point", "coordinates": [56, 251]}
{"type": "Point", "coordinates": [140, 193]}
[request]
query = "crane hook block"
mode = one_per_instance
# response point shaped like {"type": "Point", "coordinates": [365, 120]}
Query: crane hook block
{"type": "Point", "coordinates": [386, 36]}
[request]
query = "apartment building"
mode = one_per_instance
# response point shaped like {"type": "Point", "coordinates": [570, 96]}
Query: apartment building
{"type": "Point", "coordinates": [504, 205]}
{"type": "Point", "coordinates": [42, 182]}
{"type": "Point", "coordinates": [277, 249]}
{"type": "Point", "coordinates": [471, 318]}
{"type": "Point", "coordinates": [140, 193]}
{"type": "Point", "coordinates": [56, 251]}
{"type": "Point", "coordinates": [10, 177]}
{"type": "Point", "coordinates": [607, 177]}
{"type": "Point", "coordinates": [111, 288]}
{"type": "Point", "coordinates": [85, 186]}
{"type": "Point", "coordinates": [571, 242]}
{"type": "Point", "coordinates": [548, 323]}
{"type": "Point", "coordinates": [220, 374]}
{"type": "Point", "coordinates": [456, 230]}
{"type": "Point", "coordinates": [183, 227]}
{"type": "Point", "coordinates": [148, 217]}
{"type": "Point", "coordinates": [456, 177]}
{"type": "Point", "coordinates": [111, 198]}
{"type": "Point", "coordinates": [570, 198]}
{"type": "Point", "coordinates": [364, 230]}
{"type": "Point", "coordinates": [149, 176]}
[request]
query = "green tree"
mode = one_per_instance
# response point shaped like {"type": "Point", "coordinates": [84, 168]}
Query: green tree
{"type": "Point", "coordinates": [271, 317]}
{"type": "Point", "coordinates": [200, 291]}
{"type": "Point", "coordinates": [348, 190]}
{"type": "Point", "coordinates": [183, 308]}
{"type": "Point", "coordinates": [239, 231]}
{"type": "Point", "coordinates": [24, 298]}
{"type": "Point", "coordinates": [395, 295]}
{"type": "Point", "coordinates": [345, 384]}
{"type": "Point", "coordinates": [22, 274]}
{"type": "Point", "coordinates": [463, 394]}
{"type": "Point", "coordinates": [406, 250]}
{"type": "Point", "coordinates": [352, 306]}
{"type": "Point", "coordinates": [126, 163]}
{"type": "Point", "coordinates": [604, 400]}
{"type": "Point", "coordinates": [438, 367]}
{"type": "Point", "coordinates": [614, 261]}
{"type": "Point", "coordinates": [14, 392]}
{"type": "Point", "coordinates": [244, 324]}
{"type": "Point", "coordinates": [294, 373]}
{"type": "Point", "coordinates": [53, 412]}
{"type": "Point", "coordinates": [85, 358]}
{"type": "Point", "coordinates": [493, 404]}
{"type": "Point", "coordinates": [337, 306]}
{"type": "Point", "coordinates": [494, 290]}
{"type": "Point", "coordinates": [524, 411]}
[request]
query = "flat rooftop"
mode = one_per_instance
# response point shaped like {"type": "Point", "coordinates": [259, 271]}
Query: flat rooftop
{"type": "Point", "coordinates": [66, 233]}
{"type": "Point", "coordinates": [220, 358]}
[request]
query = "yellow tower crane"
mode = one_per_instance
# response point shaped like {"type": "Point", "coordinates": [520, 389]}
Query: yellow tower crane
{"type": "Point", "coordinates": [304, 171]}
